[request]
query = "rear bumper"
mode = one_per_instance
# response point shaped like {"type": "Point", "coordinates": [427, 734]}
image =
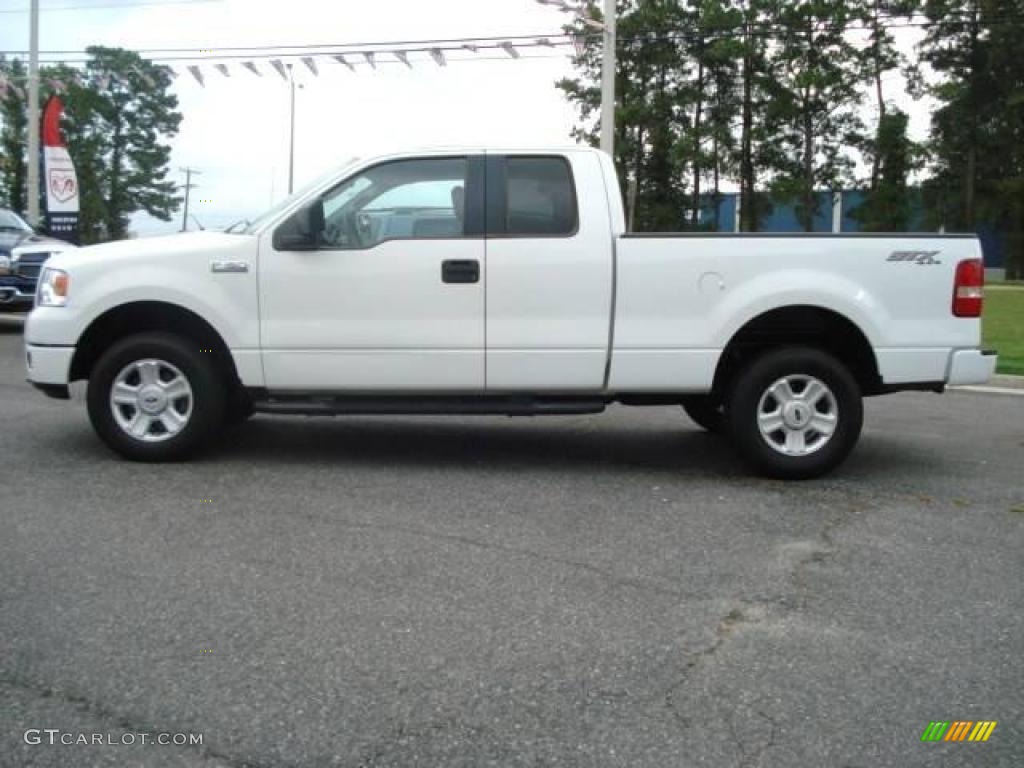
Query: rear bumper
{"type": "Point", "coordinates": [970, 366]}
{"type": "Point", "coordinates": [48, 365]}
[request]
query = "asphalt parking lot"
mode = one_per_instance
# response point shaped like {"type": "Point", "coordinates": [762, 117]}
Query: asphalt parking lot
{"type": "Point", "coordinates": [606, 590]}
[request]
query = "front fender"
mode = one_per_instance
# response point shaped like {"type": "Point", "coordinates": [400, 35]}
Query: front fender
{"type": "Point", "coordinates": [228, 306]}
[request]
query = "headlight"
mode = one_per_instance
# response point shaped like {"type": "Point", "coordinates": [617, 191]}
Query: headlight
{"type": "Point", "coordinates": [5, 265]}
{"type": "Point", "coordinates": [54, 286]}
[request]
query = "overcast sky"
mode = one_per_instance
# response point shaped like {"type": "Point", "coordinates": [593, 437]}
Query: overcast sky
{"type": "Point", "coordinates": [235, 129]}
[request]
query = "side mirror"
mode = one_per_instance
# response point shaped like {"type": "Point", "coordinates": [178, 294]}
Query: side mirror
{"type": "Point", "coordinates": [301, 231]}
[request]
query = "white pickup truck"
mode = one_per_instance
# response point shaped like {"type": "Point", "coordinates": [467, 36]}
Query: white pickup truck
{"type": "Point", "coordinates": [502, 282]}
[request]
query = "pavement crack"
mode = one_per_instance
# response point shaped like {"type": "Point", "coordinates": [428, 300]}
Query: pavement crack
{"type": "Point", "coordinates": [751, 758]}
{"type": "Point", "coordinates": [614, 579]}
{"type": "Point", "coordinates": [723, 630]}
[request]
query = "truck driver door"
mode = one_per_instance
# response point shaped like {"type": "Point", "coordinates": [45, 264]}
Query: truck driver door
{"type": "Point", "coordinates": [388, 295]}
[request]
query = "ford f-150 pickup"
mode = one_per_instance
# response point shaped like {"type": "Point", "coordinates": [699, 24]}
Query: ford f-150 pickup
{"type": "Point", "coordinates": [502, 282]}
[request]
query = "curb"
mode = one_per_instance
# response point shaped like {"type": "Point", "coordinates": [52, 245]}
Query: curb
{"type": "Point", "coordinates": [1007, 381]}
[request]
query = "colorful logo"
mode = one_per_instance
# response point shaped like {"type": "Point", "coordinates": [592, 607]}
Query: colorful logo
{"type": "Point", "coordinates": [959, 730]}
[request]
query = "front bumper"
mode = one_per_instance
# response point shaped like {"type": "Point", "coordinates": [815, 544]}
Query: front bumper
{"type": "Point", "coordinates": [971, 366]}
{"type": "Point", "coordinates": [48, 366]}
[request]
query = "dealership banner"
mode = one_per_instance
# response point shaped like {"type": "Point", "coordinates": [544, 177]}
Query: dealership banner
{"type": "Point", "coordinates": [59, 176]}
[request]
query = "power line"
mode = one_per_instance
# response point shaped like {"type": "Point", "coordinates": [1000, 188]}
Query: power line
{"type": "Point", "coordinates": [60, 8]}
{"type": "Point", "coordinates": [265, 56]}
{"type": "Point", "coordinates": [312, 47]}
{"type": "Point", "coordinates": [758, 29]}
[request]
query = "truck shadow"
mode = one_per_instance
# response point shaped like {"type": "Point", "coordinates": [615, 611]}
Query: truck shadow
{"type": "Point", "coordinates": [12, 324]}
{"type": "Point", "coordinates": [552, 443]}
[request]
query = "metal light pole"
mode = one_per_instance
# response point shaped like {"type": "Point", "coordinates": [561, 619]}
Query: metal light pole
{"type": "Point", "coordinates": [33, 115]}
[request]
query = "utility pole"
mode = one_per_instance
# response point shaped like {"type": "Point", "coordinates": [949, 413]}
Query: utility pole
{"type": "Point", "coordinates": [188, 187]}
{"type": "Point", "coordinates": [33, 115]}
{"type": "Point", "coordinates": [291, 132]}
{"type": "Point", "coordinates": [608, 80]}
{"type": "Point", "coordinates": [607, 29]}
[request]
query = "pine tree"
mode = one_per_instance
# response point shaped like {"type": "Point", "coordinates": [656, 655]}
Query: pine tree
{"type": "Point", "coordinates": [758, 151]}
{"type": "Point", "coordinates": [881, 55]}
{"type": "Point", "coordinates": [977, 135]}
{"type": "Point", "coordinates": [117, 119]}
{"type": "Point", "coordinates": [649, 117]}
{"type": "Point", "coordinates": [814, 94]}
{"type": "Point", "coordinates": [14, 115]}
{"type": "Point", "coordinates": [954, 50]}
{"type": "Point", "coordinates": [887, 204]}
{"type": "Point", "coordinates": [708, 99]}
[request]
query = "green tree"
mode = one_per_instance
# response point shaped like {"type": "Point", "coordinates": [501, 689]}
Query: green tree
{"type": "Point", "coordinates": [119, 114]}
{"type": "Point", "coordinates": [881, 55]}
{"type": "Point", "coordinates": [13, 114]}
{"type": "Point", "coordinates": [758, 151]}
{"type": "Point", "coordinates": [814, 92]}
{"type": "Point", "coordinates": [977, 132]}
{"type": "Point", "coordinates": [887, 204]}
{"type": "Point", "coordinates": [708, 69]}
{"type": "Point", "coordinates": [648, 116]}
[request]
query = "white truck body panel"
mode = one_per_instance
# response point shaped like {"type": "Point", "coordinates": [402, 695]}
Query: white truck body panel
{"type": "Point", "coordinates": [681, 299]}
{"type": "Point", "coordinates": [369, 320]}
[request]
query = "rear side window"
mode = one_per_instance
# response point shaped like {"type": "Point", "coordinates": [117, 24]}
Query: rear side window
{"type": "Point", "coordinates": [540, 198]}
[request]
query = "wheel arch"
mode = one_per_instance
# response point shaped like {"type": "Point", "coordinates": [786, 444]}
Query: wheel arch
{"type": "Point", "coordinates": [130, 318]}
{"type": "Point", "coordinates": [805, 324]}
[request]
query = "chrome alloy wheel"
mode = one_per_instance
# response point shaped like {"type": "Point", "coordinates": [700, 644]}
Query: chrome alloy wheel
{"type": "Point", "coordinates": [151, 400]}
{"type": "Point", "coordinates": [797, 415]}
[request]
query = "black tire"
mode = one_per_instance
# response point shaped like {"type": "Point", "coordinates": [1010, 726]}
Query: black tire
{"type": "Point", "coordinates": [238, 408]}
{"type": "Point", "coordinates": [801, 363]}
{"type": "Point", "coordinates": [206, 415]}
{"type": "Point", "coordinates": [705, 411]}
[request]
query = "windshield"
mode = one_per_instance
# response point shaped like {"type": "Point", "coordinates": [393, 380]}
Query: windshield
{"type": "Point", "coordinates": [11, 220]}
{"type": "Point", "coordinates": [304, 190]}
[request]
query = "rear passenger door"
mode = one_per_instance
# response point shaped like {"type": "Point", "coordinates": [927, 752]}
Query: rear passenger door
{"type": "Point", "coordinates": [549, 273]}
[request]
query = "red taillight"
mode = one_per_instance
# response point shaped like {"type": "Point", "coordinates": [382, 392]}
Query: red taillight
{"type": "Point", "coordinates": [969, 288]}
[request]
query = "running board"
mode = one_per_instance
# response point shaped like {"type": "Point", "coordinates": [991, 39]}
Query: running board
{"type": "Point", "coordinates": [407, 405]}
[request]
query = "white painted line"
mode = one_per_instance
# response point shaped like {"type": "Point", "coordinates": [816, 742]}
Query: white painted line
{"type": "Point", "coordinates": [990, 390]}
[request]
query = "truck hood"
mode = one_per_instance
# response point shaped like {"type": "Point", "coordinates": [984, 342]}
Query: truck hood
{"type": "Point", "coordinates": [180, 246]}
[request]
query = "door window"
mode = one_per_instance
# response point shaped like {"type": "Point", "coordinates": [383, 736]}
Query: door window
{"type": "Point", "coordinates": [406, 199]}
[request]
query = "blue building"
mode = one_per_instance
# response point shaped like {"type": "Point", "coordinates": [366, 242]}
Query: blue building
{"type": "Point", "coordinates": [835, 215]}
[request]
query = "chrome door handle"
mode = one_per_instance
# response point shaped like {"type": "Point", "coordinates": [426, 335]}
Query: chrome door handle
{"type": "Point", "coordinates": [229, 266]}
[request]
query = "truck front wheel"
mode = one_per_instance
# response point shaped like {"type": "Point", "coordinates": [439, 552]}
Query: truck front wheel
{"type": "Point", "coordinates": [795, 413]}
{"type": "Point", "coordinates": [155, 397]}
{"type": "Point", "coordinates": [706, 411]}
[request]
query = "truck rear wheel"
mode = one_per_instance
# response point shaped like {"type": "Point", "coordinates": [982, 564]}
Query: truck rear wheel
{"type": "Point", "coordinates": [795, 413]}
{"type": "Point", "coordinates": [155, 397]}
